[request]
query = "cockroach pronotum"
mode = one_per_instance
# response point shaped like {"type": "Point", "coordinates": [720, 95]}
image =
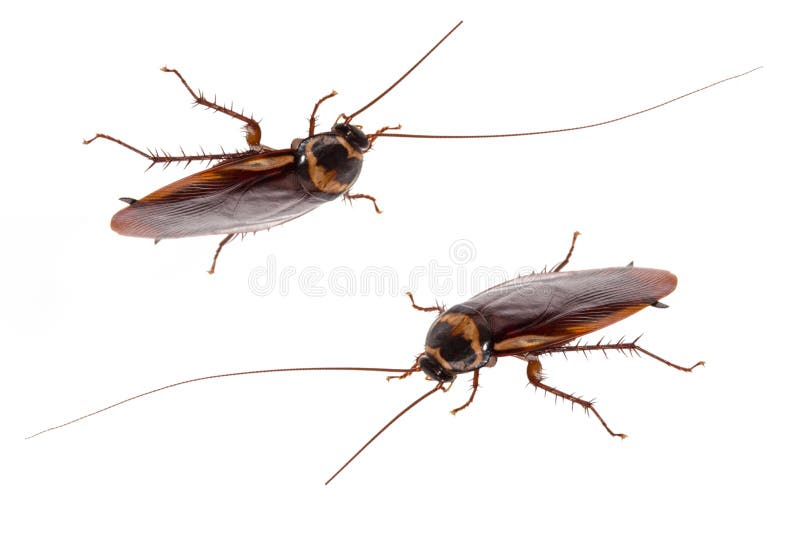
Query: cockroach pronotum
{"type": "Point", "coordinates": [262, 187]}
{"type": "Point", "coordinates": [527, 317]}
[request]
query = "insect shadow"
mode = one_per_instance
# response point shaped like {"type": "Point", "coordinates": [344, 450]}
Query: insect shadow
{"type": "Point", "coordinates": [263, 187]}
{"type": "Point", "coordinates": [525, 318]}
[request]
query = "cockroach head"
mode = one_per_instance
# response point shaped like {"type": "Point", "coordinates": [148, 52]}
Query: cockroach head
{"type": "Point", "coordinates": [353, 135]}
{"type": "Point", "coordinates": [458, 341]}
{"type": "Point", "coordinates": [434, 371]}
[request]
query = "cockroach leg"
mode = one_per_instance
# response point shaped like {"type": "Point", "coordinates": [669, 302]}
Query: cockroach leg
{"type": "Point", "coordinates": [166, 158]}
{"type": "Point", "coordinates": [219, 248]}
{"type": "Point", "coordinates": [377, 134]}
{"type": "Point", "coordinates": [535, 377]}
{"type": "Point", "coordinates": [414, 369]}
{"type": "Point", "coordinates": [438, 308]}
{"type": "Point", "coordinates": [251, 128]}
{"type": "Point", "coordinates": [569, 254]}
{"type": "Point", "coordinates": [667, 362]}
{"type": "Point", "coordinates": [312, 121]}
{"type": "Point", "coordinates": [472, 394]}
{"type": "Point", "coordinates": [630, 346]}
{"type": "Point", "coordinates": [119, 142]}
{"type": "Point", "coordinates": [350, 197]}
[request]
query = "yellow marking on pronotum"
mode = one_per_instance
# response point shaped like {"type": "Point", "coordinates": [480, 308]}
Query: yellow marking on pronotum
{"type": "Point", "coordinates": [436, 354]}
{"type": "Point", "coordinates": [322, 177]}
{"type": "Point", "coordinates": [463, 326]}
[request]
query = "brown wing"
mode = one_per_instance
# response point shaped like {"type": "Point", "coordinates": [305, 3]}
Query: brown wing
{"type": "Point", "coordinates": [542, 310]}
{"type": "Point", "coordinates": [245, 195]}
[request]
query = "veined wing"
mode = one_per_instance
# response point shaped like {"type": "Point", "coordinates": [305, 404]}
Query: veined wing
{"type": "Point", "coordinates": [541, 310]}
{"type": "Point", "coordinates": [244, 195]}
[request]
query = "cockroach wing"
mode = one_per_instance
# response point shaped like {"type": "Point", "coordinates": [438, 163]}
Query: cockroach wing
{"type": "Point", "coordinates": [549, 309]}
{"type": "Point", "coordinates": [244, 195]}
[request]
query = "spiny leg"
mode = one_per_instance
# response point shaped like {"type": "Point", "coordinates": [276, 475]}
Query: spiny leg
{"type": "Point", "coordinates": [312, 122]}
{"type": "Point", "coordinates": [414, 369]}
{"type": "Point", "coordinates": [165, 158]}
{"type": "Point", "coordinates": [631, 346]}
{"type": "Point", "coordinates": [535, 377]}
{"type": "Point", "coordinates": [569, 254]}
{"type": "Point", "coordinates": [377, 134]}
{"type": "Point", "coordinates": [219, 248]}
{"type": "Point", "coordinates": [350, 197]}
{"type": "Point", "coordinates": [471, 396]}
{"type": "Point", "coordinates": [252, 129]}
{"type": "Point", "coordinates": [438, 307]}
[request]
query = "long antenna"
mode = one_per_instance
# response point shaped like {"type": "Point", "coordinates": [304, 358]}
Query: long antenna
{"type": "Point", "coordinates": [439, 386]}
{"type": "Point", "coordinates": [211, 377]}
{"type": "Point", "coordinates": [629, 115]}
{"type": "Point", "coordinates": [348, 118]}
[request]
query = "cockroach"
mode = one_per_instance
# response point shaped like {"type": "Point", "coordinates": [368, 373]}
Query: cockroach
{"type": "Point", "coordinates": [262, 187]}
{"type": "Point", "coordinates": [527, 317]}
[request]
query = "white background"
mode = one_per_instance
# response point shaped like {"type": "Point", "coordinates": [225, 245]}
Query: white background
{"type": "Point", "coordinates": [703, 187]}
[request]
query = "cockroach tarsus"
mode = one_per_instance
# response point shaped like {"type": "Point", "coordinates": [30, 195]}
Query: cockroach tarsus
{"type": "Point", "coordinates": [262, 187]}
{"type": "Point", "coordinates": [526, 318]}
